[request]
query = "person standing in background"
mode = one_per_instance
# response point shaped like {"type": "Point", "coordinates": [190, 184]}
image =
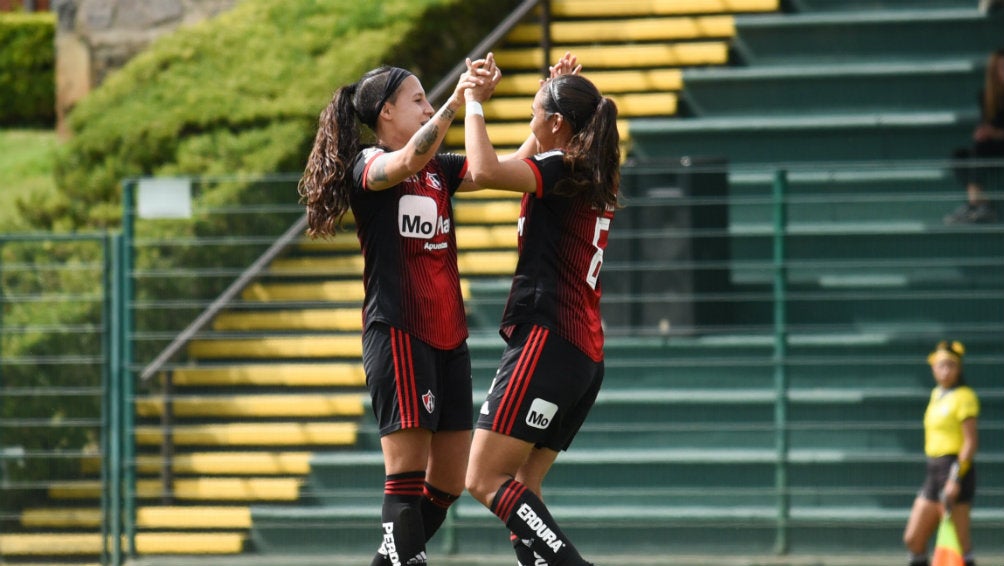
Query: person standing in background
{"type": "Point", "coordinates": [988, 143]}
{"type": "Point", "coordinates": [950, 443]}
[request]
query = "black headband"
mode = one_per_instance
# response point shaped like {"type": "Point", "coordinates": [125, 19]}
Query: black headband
{"type": "Point", "coordinates": [395, 76]}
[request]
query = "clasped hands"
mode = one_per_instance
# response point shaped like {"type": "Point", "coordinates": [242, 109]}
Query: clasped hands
{"type": "Point", "coordinates": [478, 82]}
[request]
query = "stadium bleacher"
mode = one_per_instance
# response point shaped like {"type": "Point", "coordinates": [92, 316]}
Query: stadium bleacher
{"type": "Point", "coordinates": [274, 438]}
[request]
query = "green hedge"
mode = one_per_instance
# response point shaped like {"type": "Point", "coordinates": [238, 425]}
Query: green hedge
{"type": "Point", "coordinates": [27, 69]}
{"type": "Point", "coordinates": [241, 93]}
{"type": "Point", "coordinates": [235, 96]}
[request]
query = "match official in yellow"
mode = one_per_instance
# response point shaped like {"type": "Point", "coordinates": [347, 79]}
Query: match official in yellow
{"type": "Point", "coordinates": [950, 443]}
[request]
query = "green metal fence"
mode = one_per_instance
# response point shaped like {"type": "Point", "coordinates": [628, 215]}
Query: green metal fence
{"type": "Point", "coordinates": [766, 334]}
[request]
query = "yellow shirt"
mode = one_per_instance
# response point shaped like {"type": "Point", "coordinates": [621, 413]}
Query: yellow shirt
{"type": "Point", "coordinates": [943, 419]}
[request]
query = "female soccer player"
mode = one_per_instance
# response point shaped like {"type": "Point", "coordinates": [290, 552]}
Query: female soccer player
{"type": "Point", "coordinates": [552, 367]}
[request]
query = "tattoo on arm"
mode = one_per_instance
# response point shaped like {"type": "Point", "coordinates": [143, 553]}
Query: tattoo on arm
{"type": "Point", "coordinates": [379, 173]}
{"type": "Point", "coordinates": [447, 113]}
{"type": "Point", "coordinates": [426, 138]}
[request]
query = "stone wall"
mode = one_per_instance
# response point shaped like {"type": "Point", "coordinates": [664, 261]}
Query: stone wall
{"type": "Point", "coordinates": [96, 37]}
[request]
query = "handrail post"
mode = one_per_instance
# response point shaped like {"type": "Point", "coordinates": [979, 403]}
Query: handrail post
{"type": "Point", "coordinates": [112, 456]}
{"type": "Point", "coordinates": [780, 359]}
{"type": "Point", "coordinates": [107, 350]}
{"type": "Point", "coordinates": [167, 440]}
{"type": "Point", "coordinates": [126, 352]}
{"type": "Point", "coordinates": [545, 36]}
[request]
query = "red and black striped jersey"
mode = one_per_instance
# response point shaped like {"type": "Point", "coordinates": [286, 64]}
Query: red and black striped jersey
{"type": "Point", "coordinates": [561, 243]}
{"type": "Point", "coordinates": [410, 250]}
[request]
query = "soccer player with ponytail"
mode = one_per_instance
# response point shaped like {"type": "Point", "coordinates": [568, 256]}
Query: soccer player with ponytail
{"type": "Point", "coordinates": [552, 366]}
{"type": "Point", "coordinates": [418, 368]}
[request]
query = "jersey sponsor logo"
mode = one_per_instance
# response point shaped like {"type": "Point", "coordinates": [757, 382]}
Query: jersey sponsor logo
{"type": "Point", "coordinates": [418, 217]}
{"type": "Point", "coordinates": [519, 225]}
{"type": "Point", "coordinates": [429, 400]}
{"type": "Point", "coordinates": [541, 413]}
{"type": "Point", "coordinates": [544, 533]}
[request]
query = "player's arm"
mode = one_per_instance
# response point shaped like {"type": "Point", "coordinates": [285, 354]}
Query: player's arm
{"type": "Point", "coordinates": [389, 169]}
{"type": "Point", "coordinates": [568, 64]}
{"type": "Point", "coordinates": [484, 165]}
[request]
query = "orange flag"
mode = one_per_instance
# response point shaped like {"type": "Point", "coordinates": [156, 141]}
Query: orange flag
{"type": "Point", "coordinates": [947, 551]}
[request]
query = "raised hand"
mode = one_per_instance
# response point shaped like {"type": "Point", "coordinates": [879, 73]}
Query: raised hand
{"type": "Point", "coordinates": [491, 74]}
{"type": "Point", "coordinates": [566, 65]}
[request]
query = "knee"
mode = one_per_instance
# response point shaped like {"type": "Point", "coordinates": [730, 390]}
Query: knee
{"type": "Point", "coordinates": [483, 486]}
{"type": "Point", "coordinates": [476, 487]}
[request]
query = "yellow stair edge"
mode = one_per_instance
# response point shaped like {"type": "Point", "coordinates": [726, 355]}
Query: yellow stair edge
{"type": "Point", "coordinates": [482, 237]}
{"type": "Point", "coordinates": [628, 105]}
{"type": "Point", "coordinates": [219, 463]}
{"type": "Point", "coordinates": [254, 434]}
{"type": "Point", "coordinates": [169, 517]}
{"type": "Point", "coordinates": [190, 543]}
{"type": "Point", "coordinates": [256, 405]}
{"type": "Point", "coordinates": [349, 290]}
{"type": "Point", "coordinates": [474, 260]}
{"type": "Point", "coordinates": [50, 544]}
{"type": "Point", "coordinates": [340, 265]}
{"type": "Point", "coordinates": [511, 134]}
{"type": "Point", "coordinates": [606, 8]}
{"type": "Point", "coordinates": [279, 347]}
{"type": "Point", "coordinates": [63, 544]}
{"type": "Point", "coordinates": [193, 489]}
{"type": "Point", "coordinates": [306, 319]}
{"type": "Point", "coordinates": [504, 212]}
{"type": "Point", "coordinates": [293, 374]}
{"type": "Point", "coordinates": [629, 30]}
{"type": "Point", "coordinates": [680, 54]}
{"type": "Point", "coordinates": [608, 81]}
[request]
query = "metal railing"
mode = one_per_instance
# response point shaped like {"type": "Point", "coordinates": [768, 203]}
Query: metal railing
{"type": "Point", "coordinates": [780, 276]}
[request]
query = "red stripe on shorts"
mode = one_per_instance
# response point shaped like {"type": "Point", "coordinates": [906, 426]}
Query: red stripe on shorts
{"type": "Point", "coordinates": [515, 392]}
{"type": "Point", "coordinates": [404, 377]}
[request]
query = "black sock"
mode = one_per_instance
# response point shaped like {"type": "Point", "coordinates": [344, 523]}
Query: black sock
{"type": "Point", "coordinates": [401, 521]}
{"type": "Point", "coordinates": [525, 556]}
{"type": "Point", "coordinates": [435, 504]}
{"type": "Point", "coordinates": [527, 516]}
{"type": "Point", "coordinates": [433, 507]}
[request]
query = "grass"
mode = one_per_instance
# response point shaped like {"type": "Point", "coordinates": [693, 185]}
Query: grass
{"type": "Point", "coordinates": [27, 158]}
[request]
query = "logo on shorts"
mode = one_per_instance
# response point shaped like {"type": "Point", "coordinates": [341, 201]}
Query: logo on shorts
{"type": "Point", "coordinates": [429, 400]}
{"type": "Point", "coordinates": [541, 413]}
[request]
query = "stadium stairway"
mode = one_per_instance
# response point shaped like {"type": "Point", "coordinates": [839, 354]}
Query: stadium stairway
{"type": "Point", "coordinates": [832, 92]}
{"type": "Point", "coordinates": [275, 451]}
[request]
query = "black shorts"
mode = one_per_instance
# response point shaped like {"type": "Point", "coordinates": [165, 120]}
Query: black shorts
{"type": "Point", "coordinates": [937, 474]}
{"type": "Point", "coordinates": [543, 390]}
{"type": "Point", "coordinates": [414, 385]}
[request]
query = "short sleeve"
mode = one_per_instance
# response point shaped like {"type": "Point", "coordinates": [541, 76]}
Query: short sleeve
{"type": "Point", "coordinates": [968, 406]}
{"type": "Point", "coordinates": [454, 167]}
{"type": "Point", "coordinates": [362, 164]}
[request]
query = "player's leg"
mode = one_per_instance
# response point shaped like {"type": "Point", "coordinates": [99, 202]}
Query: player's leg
{"type": "Point", "coordinates": [923, 521]}
{"type": "Point", "coordinates": [495, 460]}
{"type": "Point", "coordinates": [403, 533]}
{"type": "Point", "coordinates": [531, 474]}
{"type": "Point", "coordinates": [397, 376]}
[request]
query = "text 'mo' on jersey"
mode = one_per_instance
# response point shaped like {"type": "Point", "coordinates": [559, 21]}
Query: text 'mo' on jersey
{"type": "Point", "coordinates": [410, 250]}
{"type": "Point", "coordinates": [561, 243]}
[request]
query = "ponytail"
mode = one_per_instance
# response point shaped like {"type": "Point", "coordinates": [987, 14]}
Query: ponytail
{"type": "Point", "coordinates": [593, 157]}
{"type": "Point", "coordinates": [325, 184]}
